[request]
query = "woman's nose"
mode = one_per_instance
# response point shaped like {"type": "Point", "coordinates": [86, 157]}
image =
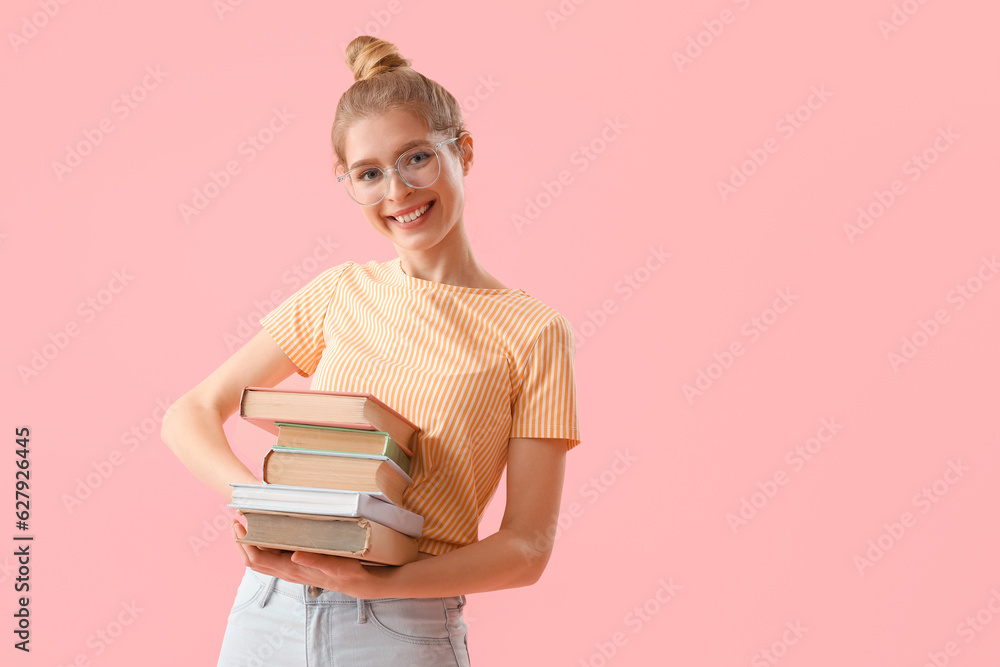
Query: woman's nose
{"type": "Point", "coordinates": [398, 189]}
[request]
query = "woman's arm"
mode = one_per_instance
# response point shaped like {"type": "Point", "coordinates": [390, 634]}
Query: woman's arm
{"type": "Point", "coordinates": [514, 556]}
{"type": "Point", "coordinates": [192, 426]}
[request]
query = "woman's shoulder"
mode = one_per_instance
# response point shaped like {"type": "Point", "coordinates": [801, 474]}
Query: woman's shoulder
{"type": "Point", "coordinates": [529, 319]}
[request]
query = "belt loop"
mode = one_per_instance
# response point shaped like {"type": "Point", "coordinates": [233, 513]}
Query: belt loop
{"type": "Point", "coordinates": [362, 611]}
{"type": "Point", "coordinates": [267, 591]}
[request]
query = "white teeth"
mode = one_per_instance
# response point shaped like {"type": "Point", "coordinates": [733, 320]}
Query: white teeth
{"type": "Point", "coordinates": [410, 217]}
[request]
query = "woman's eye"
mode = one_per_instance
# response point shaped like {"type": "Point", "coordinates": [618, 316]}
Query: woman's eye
{"type": "Point", "coordinates": [419, 158]}
{"type": "Point", "coordinates": [367, 175]}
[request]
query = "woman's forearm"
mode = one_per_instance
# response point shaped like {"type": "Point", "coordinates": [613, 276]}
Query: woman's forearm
{"type": "Point", "coordinates": [502, 560]}
{"type": "Point", "coordinates": [194, 433]}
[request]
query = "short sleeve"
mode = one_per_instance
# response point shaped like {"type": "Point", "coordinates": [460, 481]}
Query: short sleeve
{"type": "Point", "coordinates": [297, 325]}
{"type": "Point", "coordinates": [545, 405]}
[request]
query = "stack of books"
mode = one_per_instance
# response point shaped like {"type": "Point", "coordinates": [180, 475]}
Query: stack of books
{"type": "Point", "coordinates": [334, 479]}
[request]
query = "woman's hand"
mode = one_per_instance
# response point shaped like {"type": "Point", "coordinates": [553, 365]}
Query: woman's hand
{"type": "Point", "coordinates": [334, 573]}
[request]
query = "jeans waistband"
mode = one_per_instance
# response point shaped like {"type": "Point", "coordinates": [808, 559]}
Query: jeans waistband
{"type": "Point", "coordinates": [302, 593]}
{"type": "Point", "coordinates": [298, 591]}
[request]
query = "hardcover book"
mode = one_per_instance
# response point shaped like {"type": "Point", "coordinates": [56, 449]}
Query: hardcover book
{"type": "Point", "coordinates": [267, 406]}
{"type": "Point", "coordinates": [321, 469]}
{"type": "Point", "coordinates": [333, 502]}
{"type": "Point", "coordinates": [341, 441]}
{"type": "Point", "coordinates": [366, 540]}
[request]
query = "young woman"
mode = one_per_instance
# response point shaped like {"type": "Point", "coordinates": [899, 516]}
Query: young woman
{"type": "Point", "coordinates": [484, 371]}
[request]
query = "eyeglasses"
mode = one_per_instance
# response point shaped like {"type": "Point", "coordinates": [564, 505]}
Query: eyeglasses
{"type": "Point", "coordinates": [418, 168]}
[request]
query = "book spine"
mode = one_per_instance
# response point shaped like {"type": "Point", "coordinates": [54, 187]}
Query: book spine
{"type": "Point", "coordinates": [263, 466]}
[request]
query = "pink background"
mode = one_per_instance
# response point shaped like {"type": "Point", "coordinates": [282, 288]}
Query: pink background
{"type": "Point", "coordinates": [649, 493]}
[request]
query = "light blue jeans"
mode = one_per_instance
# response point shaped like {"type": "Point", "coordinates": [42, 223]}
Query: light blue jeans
{"type": "Point", "coordinates": [276, 623]}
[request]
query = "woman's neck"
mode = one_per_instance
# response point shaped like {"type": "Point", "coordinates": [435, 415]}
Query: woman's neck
{"type": "Point", "coordinates": [452, 264]}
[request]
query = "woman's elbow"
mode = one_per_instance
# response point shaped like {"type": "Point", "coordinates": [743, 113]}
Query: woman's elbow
{"type": "Point", "coordinates": [170, 423]}
{"type": "Point", "coordinates": [534, 556]}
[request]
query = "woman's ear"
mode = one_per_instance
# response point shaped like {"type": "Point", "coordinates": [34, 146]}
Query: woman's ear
{"type": "Point", "coordinates": [466, 155]}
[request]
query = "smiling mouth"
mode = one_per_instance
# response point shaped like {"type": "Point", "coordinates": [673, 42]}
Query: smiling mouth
{"type": "Point", "coordinates": [410, 217]}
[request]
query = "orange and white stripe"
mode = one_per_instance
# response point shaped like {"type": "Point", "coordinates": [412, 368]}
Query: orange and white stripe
{"type": "Point", "coordinates": [470, 367]}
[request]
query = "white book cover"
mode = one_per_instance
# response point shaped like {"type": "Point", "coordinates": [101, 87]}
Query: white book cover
{"type": "Point", "coordinates": [333, 502]}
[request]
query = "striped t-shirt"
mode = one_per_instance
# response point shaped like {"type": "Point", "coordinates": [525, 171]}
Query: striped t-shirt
{"type": "Point", "coordinates": [470, 367]}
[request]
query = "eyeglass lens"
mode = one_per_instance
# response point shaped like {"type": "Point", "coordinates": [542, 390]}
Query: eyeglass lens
{"type": "Point", "coordinates": [419, 168]}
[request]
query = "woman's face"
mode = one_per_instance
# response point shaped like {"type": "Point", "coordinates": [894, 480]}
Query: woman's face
{"type": "Point", "coordinates": [379, 141]}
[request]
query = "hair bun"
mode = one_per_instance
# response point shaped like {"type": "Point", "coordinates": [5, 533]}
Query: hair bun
{"type": "Point", "coordinates": [369, 56]}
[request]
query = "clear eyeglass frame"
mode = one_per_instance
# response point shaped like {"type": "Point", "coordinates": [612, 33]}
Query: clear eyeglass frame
{"type": "Point", "coordinates": [436, 147]}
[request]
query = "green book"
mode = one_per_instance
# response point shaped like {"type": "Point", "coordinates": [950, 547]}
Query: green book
{"type": "Point", "coordinates": [341, 440]}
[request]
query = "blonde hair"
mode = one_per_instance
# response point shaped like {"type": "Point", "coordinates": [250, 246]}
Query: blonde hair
{"type": "Point", "coordinates": [384, 81]}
